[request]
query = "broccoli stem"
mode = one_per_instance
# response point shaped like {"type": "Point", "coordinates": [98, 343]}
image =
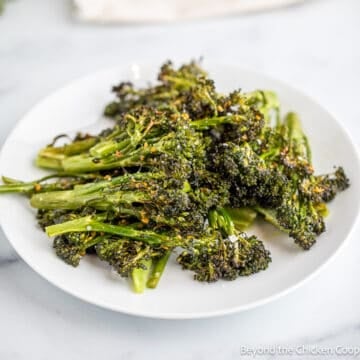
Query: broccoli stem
{"type": "Point", "coordinates": [89, 223]}
{"type": "Point", "coordinates": [130, 154]}
{"type": "Point", "coordinates": [116, 181]}
{"type": "Point", "coordinates": [242, 218]}
{"type": "Point", "coordinates": [270, 217]}
{"type": "Point", "coordinates": [158, 270]}
{"type": "Point", "coordinates": [38, 186]}
{"type": "Point", "coordinates": [139, 276]}
{"type": "Point", "coordinates": [73, 148]}
{"type": "Point", "coordinates": [178, 82]}
{"type": "Point", "coordinates": [296, 136]}
{"type": "Point", "coordinates": [322, 209]}
{"type": "Point", "coordinates": [76, 147]}
{"type": "Point", "coordinates": [17, 188]}
{"type": "Point", "coordinates": [69, 200]}
{"type": "Point", "coordinates": [132, 157]}
{"type": "Point", "coordinates": [267, 102]}
{"type": "Point", "coordinates": [8, 180]}
{"type": "Point", "coordinates": [97, 194]}
{"type": "Point", "coordinates": [208, 123]}
{"type": "Point", "coordinates": [221, 220]}
{"type": "Point", "coordinates": [123, 143]}
{"type": "Point", "coordinates": [51, 157]}
{"type": "Point", "coordinates": [85, 163]}
{"type": "Point", "coordinates": [108, 147]}
{"type": "Point", "coordinates": [47, 162]}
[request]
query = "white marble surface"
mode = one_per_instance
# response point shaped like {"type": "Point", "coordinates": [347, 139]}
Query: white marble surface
{"type": "Point", "coordinates": [314, 47]}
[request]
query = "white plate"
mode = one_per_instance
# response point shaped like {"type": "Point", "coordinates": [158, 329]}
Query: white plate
{"type": "Point", "coordinates": [79, 106]}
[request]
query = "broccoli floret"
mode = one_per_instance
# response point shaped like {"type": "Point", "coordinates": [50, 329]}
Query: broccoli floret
{"type": "Point", "coordinates": [301, 220]}
{"type": "Point", "coordinates": [126, 255]}
{"type": "Point", "coordinates": [324, 188]}
{"type": "Point", "coordinates": [72, 247]}
{"type": "Point", "coordinates": [145, 264]}
{"type": "Point", "coordinates": [225, 259]}
{"type": "Point", "coordinates": [172, 88]}
{"type": "Point", "coordinates": [253, 181]}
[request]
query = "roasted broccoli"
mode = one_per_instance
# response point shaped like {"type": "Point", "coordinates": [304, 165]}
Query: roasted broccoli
{"type": "Point", "coordinates": [185, 169]}
{"type": "Point", "coordinates": [296, 210]}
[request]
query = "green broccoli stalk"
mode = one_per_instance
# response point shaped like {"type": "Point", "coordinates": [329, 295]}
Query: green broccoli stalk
{"type": "Point", "coordinates": [140, 276]}
{"type": "Point", "coordinates": [157, 270]}
{"type": "Point", "coordinates": [242, 218]}
{"type": "Point", "coordinates": [70, 200]}
{"type": "Point", "coordinates": [267, 103]}
{"type": "Point", "coordinates": [209, 123]}
{"type": "Point", "coordinates": [182, 146]}
{"type": "Point", "coordinates": [96, 224]}
{"type": "Point", "coordinates": [298, 142]}
{"type": "Point", "coordinates": [51, 157]}
{"type": "Point", "coordinates": [64, 181]}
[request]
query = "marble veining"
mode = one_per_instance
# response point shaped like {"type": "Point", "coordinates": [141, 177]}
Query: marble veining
{"type": "Point", "coordinates": [312, 46]}
{"type": "Point", "coordinates": [8, 260]}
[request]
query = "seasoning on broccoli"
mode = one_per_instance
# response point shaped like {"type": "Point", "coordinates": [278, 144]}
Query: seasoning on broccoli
{"type": "Point", "coordinates": [183, 169]}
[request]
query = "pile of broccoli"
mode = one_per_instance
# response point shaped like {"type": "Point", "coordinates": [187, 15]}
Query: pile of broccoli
{"type": "Point", "coordinates": [184, 167]}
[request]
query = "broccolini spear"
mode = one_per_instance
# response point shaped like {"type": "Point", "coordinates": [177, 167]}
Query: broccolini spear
{"type": "Point", "coordinates": [297, 212]}
{"type": "Point", "coordinates": [145, 151]}
{"type": "Point", "coordinates": [51, 156]}
{"type": "Point", "coordinates": [139, 276]}
{"type": "Point", "coordinates": [149, 138]}
{"type": "Point", "coordinates": [152, 198]}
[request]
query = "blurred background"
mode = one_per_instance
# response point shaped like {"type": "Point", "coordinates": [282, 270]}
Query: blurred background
{"type": "Point", "coordinates": [308, 43]}
{"type": "Point", "coordinates": [44, 44]}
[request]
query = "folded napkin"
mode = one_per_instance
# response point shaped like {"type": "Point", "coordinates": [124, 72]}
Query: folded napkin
{"type": "Point", "coordinates": [104, 11]}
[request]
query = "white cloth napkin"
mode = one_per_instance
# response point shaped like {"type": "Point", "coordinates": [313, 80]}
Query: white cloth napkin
{"type": "Point", "coordinates": [104, 11]}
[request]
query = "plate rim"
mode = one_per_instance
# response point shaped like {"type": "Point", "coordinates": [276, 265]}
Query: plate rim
{"type": "Point", "coordinates": [191, 315]}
